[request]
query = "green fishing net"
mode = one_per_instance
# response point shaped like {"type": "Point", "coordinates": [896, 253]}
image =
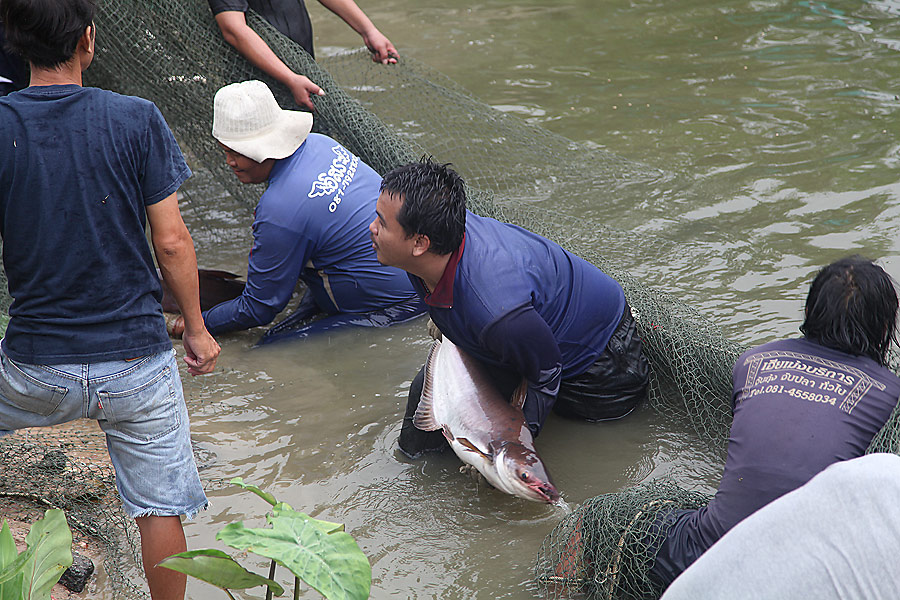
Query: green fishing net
{"type": "Point", "coordinates": [603, 548]}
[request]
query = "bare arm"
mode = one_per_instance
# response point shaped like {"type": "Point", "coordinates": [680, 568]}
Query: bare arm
{"type": "Point", "coordinates": [382, 49]}
{"type": "Point", "coordinates": [252, 47]}
{"type": "Point", "coordinates": [177, 261]}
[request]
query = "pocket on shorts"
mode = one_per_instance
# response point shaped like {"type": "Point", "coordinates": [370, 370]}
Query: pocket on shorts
{"type": "Point", "coordinates": [24, 387]}
{"type": "Point", "coordinates": [146, 412]}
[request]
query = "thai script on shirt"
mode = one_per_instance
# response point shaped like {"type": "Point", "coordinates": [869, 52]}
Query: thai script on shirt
{"type": "Point", "coordinates": [807, 377]}
{"type": "Point", "coordinates": [337, 178]}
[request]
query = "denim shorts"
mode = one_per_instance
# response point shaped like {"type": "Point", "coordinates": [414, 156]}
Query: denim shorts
{"type": "Point", "coordinates": [140, 406]}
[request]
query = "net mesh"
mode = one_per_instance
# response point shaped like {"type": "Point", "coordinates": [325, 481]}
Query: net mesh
{"type": "Point", "coordinates": [171, 52]}
{"type": "Point", "coordinates": [602, 549]}
{"type": "Point", "coordinates": [68, 467]}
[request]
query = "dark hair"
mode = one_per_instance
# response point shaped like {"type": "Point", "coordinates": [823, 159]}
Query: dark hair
{"type": "Point", "coordinates": [45, 33]}
{"type": "Point", "coordinates": [852, 307]}
{"type": "Point", "coordinates": [434, 202]}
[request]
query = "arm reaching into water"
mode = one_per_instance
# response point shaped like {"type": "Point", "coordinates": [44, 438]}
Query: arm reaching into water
{"type": "Point", "coordinates": [177, 261]}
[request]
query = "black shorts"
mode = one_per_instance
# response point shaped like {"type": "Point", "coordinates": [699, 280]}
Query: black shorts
{"type": "Point", "coordinates": [614, 385]}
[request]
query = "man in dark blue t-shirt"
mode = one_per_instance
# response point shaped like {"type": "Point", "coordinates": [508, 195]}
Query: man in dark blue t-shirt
{"type": "Point", "coordinates": [82, 172]}
{"type": "Point", "coordinates": [519, 303]}
{"type": "Point", "coordinates": [799, 405]}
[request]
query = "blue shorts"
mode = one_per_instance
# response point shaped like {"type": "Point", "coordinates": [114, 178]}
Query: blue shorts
{"type": "Point", "coordinates": [140, 406]}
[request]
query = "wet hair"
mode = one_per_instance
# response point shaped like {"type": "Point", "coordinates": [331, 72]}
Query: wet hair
{"type": "Point", "coordinates": [852, 307]}
{"type": "Point", "coordinates": [45, 33]}
{"type": "Point", "coordinates": [434, 202]}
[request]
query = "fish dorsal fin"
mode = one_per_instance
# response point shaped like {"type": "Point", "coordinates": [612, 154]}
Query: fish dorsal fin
{"type": "Point", "coordinates": [474, 448]}
{"type": "Point", "coordinates": [518, 397]}
{"type": "Point", "coordinates": [424, 417]}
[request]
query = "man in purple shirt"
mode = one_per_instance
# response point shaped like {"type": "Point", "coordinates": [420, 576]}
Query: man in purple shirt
{"type": "Point", "coordinates": [799, 406]}
{"type": "Point", "coordinates": [519, 303]}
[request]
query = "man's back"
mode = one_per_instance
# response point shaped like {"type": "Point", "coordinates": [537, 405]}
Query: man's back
{"type": "Point", "coordinates": [78, 169]}
{"type": "Point", "coordinates": [504, 268]}
{"type": "Point", "coordinates": [323, 198]}
{"type": "Point", "coordinates": [799, 407]}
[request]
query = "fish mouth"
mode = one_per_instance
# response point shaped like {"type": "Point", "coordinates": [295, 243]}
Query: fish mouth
{"type": "Point", "coordinates": [546, 492]}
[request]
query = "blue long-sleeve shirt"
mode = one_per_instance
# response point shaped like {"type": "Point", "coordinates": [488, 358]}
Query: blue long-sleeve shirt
{"type": "Point", "coordinates": [518, 301]}
{"type": "Point", "coordinates": [312, 224]}
{"type": "Point", "coordinates": [798, 407]}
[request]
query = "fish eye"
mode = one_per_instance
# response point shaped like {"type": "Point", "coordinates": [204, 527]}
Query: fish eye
{"type": "Point", "coordinates": [524, 476]}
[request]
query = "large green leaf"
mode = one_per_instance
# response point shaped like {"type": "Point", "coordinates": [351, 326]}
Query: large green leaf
{"type": "Point", "coordinates": [10, 587]}
{"type": "Point", "coordinates": [51, 540]}
{"type": "Point", "coordinates": [326, 526]}
{"type": "Point", "coordinates": [219, 569]}
{"type": "Point", "coordinates": [252, 488]}
{"type": "Point", "coordinates": [333, 564]}
{"type": "Point", "coordinates": [8, 551]}
{"type": "Point", "coordinates": [17, 566]}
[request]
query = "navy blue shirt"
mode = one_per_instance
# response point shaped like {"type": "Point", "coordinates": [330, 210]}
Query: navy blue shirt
{"type": "Point", "coordinates": [798, 407]}
{"type": "Point", "coordinates": [518, 301]}
{"type": "Point", "coordinates": [78, 167]}
{"type": "Point", "coordinates": [312, 224]}
{"type": "Point", "coordinates": [287, 16]}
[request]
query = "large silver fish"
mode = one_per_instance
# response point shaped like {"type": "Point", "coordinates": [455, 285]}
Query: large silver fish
{"type": "Point", "coordinates": [483, 429]}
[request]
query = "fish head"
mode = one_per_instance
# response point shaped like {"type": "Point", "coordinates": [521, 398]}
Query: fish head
{"type": "Point", "coordinates": [522, 473]}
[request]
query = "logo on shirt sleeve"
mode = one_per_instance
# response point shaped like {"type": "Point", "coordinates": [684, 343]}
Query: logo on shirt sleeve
{"type": "Point", "coordinates": [337, 178]}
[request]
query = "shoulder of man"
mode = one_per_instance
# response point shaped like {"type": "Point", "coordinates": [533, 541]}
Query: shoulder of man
{"type": "Point", "coordinates": [125, 104]}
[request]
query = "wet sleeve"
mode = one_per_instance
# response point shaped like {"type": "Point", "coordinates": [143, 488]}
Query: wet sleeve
{"type": "Point", "coordinates": [217, 6]}
{"type": "Point", "coordinates": [276, 259]}
{"type": "Point", "coordinates": [523, 341]}
{"type": "Point", "coordinates": [164, 168]}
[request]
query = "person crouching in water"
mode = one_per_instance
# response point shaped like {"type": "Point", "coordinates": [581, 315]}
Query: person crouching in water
{"type": "Point", "coordinates": [519, 303]}
{"type": "Point", "coordinates": [799, 405]}
{"type": "Point", "coordinates": [310, 224]}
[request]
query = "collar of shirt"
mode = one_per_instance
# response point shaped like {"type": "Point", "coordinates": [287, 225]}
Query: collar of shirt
{"type": "Point", "coordinates": [442, 296]}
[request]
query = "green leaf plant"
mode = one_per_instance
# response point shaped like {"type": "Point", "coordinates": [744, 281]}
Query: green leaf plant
{"type": "Point", "coordinates": [33, 573]}
{"type": "Point", "coordinates": [317, 552]}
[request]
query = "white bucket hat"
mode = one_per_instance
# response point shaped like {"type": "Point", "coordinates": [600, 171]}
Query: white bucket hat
{"type": "Point", "coordinates": [247, 119]}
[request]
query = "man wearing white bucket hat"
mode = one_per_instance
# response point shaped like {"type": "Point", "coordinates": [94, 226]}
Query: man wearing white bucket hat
{"type": "Point", "coordinates": [311, 224]}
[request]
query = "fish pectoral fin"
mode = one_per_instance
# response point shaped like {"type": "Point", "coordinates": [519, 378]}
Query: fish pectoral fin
{"type": "Point", "coordinates": [518, 397]}
{"type": "Point", "coordinates": [424, 418]}
{"type": "Point", "coordinates": [469, 445]}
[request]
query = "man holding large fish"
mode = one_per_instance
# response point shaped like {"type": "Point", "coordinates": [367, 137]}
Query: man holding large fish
{"type": "Point", "coordinates": [519, 304]}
